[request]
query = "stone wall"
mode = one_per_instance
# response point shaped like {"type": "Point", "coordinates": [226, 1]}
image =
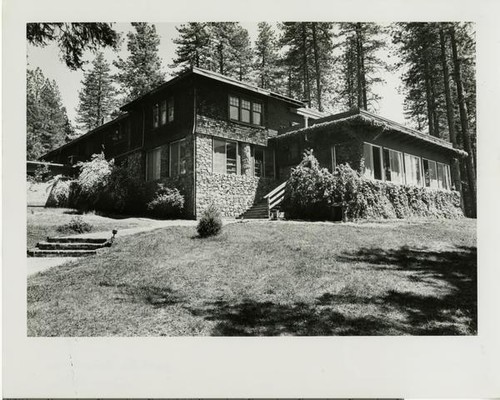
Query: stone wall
{"type": "Point", "coordinates": [231, 130]}
{"type": "Point", "coordinates": [232, 194]}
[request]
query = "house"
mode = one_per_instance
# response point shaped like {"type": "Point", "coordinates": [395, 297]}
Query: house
{"type": "Point", "coordinates": [226, 142]}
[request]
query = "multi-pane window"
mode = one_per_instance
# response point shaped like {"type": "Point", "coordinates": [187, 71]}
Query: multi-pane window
{"type": "Point", "coordinates": [225, 157]}
{"type": "Point", "coordinates": [413, 170]}
{"type": "Point", "coordinates": [373, 161]}
{"type": "Point", "coordinates": [244, 110]}
{"type": "Point", "coordinates": [263, 162]}
{"type": "Point", "coordinates": [393, 166]}
{"type": "Point", "coordinates": [178, 159]}
{"type": "Point", "coordinates": [163, 112]}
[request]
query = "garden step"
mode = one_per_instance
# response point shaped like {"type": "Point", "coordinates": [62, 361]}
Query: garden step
{"type": "Point", "coordinates": [75, 240]}
{"type": "Point", "coordinates": [68, 246]}
{"type": "Point", "coordinates": [60, 253]}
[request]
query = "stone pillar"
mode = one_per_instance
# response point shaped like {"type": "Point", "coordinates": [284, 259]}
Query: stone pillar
{"type": "Point", "coordinates": [246, 159]}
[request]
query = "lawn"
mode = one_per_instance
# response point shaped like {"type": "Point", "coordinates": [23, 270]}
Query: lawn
{"type": "Point", "coordinates": [43, 222]}
{"type": "Point", "coordinates": [271, 278]}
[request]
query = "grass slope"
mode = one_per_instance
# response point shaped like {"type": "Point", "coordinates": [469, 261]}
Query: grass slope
{"type": "Point", "coordinates": [394, 278]}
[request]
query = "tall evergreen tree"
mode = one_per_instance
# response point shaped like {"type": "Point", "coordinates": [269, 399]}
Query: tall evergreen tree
{"type": "Point", "coordinates": [307, 58]}
{"type": "Point", "coordinates": [47, 122]}
{"type": "Point", "coordinates": [360, 63]}
{"type": "Point", "coordinates": [267, 60]}
{"type": "Point", "coordinates": [193, 46]}
{"type": "Point", "coordinates": [142, 70]}
{"type": "Point", "coordinates": [97, 96]}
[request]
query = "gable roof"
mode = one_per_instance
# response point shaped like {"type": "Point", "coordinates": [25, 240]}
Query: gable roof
{"type": "Point", "coordinates": [218, 77]}
{"type": "Point", "coordinates": [368, 118]}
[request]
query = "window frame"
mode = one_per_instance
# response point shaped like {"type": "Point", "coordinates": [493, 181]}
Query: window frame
{"type": "Point", "coordinates": [179, 171]}
{"type": "Point", "coordinates": [381, 162]}
{"type": "Point", "coordinates": [156, 115]}
{"type": "Point", "coordinates": [421, 166]}
{"type": "Point", "coordinates": [157, 150]}
{"type": "Point", "coordinates": [400, 154]}
{"type": "Point", "coordinates": [226, 141]}
{"type": "Point", "coordinates": [251, 110]}
{"type": "Point", "coordinates": [265, 161]}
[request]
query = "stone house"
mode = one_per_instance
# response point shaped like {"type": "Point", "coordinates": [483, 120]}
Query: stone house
{"type": "Point", "coordinates": [226, 142]}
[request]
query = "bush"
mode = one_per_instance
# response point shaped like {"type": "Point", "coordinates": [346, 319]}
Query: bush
{"type": "Point", "coordinates": [60, 193]}
{"type": "Point", "coordinates": [210, 223]}
{"type": "Point", "coordinates": [75, 225]}
{"type": "Point", "coordinates": [311, 193]}
{"type": "Point", "coordinates": [167, 203]}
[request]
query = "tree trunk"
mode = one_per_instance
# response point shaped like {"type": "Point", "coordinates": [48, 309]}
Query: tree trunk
{"type": "Point", "coordinates": [358, 67]}
{"type": "Point", "coordinates": [428, 96]}
{"type": "Point", "coordinates": [316, 66]}
{"type": "Point", "coordinates": [464, 123]}
{"type": "Point", "coordinates": [305, 69]}
{"type": "Point", "coordinates": [450, 115]}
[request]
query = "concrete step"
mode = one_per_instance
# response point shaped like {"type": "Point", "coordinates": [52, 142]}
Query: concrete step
{"type": "Point", "coordinates": [70, 239]}
{"type": "Point", "coordinates": [68, 246]}
{"type": "Point", "coordinates": [60, 253]}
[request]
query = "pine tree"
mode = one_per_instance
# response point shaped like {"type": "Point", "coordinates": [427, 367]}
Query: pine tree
{"type": "Point", "coordinates": [97, 97]}
{"type": "Point", "coordinates": [142, 70]}
{"type": "Point", "coordinates": [360, 63]}
{"type": "Point", "coordinates": [307, 58]}
{"type": "Point", "coordinates": [46, 117]}
{"type": "Point", "coordinates": [193, 46]}
{"type": "Point", "coordinates": [268, 71]}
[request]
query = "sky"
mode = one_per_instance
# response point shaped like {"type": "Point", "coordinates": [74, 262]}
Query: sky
{"type": "Point", "coordinates": [69, 82]}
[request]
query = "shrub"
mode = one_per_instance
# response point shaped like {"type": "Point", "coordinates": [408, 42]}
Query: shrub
{"type": "Point", "coordinates": [210, 223]}
{"type": "Point", "coordinates": [60, 193]}
{"type": "Point", "coordinates": [167, 203]}
{"type": "Point", "coordinates": [311, 193]}
{"type": "Point", "coordinates": [75, 225]}
{"type": "Point", "coordinates": [94, 176]}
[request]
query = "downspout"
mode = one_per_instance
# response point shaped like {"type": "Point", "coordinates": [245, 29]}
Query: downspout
{"type": "Point", "coordinates": [194, 150]}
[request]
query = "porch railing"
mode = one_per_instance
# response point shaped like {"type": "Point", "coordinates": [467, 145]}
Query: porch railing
{"type": "Point", "coordinates": [275, 196]}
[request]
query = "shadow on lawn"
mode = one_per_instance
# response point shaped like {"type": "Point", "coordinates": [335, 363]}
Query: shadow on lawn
{"type": "Point", "coordinates": [454, 313]}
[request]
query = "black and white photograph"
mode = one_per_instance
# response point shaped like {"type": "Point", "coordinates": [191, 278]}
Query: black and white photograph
{"type": "Point", "coordinates": [261, 200]}
{"type": "Point", "coordinates": [251, 179]}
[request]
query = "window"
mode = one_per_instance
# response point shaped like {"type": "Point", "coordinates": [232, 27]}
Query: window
{"type": "Point", "coordinates": [163, 112]}
{"type": "Point", "coordinates": [393, 166]}
{"type": "Point", "coordinates": [170, 109]}
{"type": "Point", "coordinates": [244, 110]}
{"type": "Point", "coordinates": [153, 164]}
{"type": "Point", "coordinates": [430, 173]}
{"type": "Point", "coordinates": [373, 161]}
{"type": "Point", "coordinates": [156, 121]}
{"type": "Point", "coordinates": [225, 157]}
{"type": "Point", "coordinates": [443, 176]}
{"type": "Point", "coordinates": [413, 170]}
{"type": "Point", "coordinates": [178, 159]}
{"type": "Point", "coordinates": [263, 162]}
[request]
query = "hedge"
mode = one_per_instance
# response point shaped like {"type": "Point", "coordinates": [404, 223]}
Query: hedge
{"type": "Point", "coordinates": [314, 193]}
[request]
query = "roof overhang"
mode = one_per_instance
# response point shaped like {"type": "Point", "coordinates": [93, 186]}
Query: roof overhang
{"type": "Point", "coordinates": [357, 116]}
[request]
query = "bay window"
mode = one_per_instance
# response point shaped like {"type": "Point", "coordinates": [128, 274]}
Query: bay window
{"type": "Point", "coordinates": [225, 157]}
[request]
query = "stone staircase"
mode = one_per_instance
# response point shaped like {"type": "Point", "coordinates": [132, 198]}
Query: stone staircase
{"type": "Point", "coordinates": [68, 247]}
{"type": "Point", "coordinates": [259, 210]}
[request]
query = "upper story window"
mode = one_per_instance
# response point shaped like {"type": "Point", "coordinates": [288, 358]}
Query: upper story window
{"type": "Point", "coordinates": [163, 112]}
{"type": "Point", "coordinates": [244, 110]}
